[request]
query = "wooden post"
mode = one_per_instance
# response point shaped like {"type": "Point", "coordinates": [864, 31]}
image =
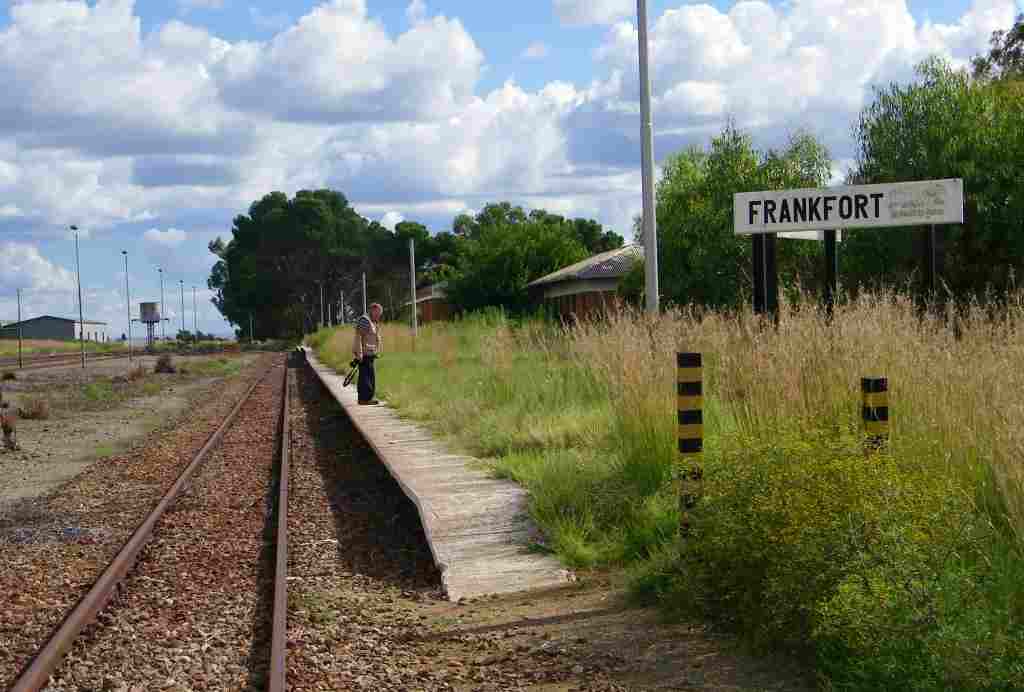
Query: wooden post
{"type": "Point", "coordinates": [690, 432]}
{"type": "Point", "coordinates": [875, 411]}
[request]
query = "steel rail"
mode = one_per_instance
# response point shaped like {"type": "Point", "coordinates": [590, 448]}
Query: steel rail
{"type": "Point", "coordinates": [278, 638]}
{"type": "Point", "coordinates": [35, 676]}
{"type": "Point", "coordinates": [57, 361]}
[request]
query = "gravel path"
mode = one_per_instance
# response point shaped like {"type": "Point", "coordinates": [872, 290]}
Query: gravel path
{"type": "Point", "coordinates": [54, 547]}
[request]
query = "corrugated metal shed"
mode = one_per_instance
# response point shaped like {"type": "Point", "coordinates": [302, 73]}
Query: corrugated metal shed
{"type": "Point", "coordinates": [606, 265]}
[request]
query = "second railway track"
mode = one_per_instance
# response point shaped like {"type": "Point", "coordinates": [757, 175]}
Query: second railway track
{"type": "Point", "coordinates": [191, 599]}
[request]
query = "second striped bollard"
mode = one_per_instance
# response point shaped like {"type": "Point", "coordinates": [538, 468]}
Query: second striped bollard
{"type": "Point", "coordinates": [690, 432]}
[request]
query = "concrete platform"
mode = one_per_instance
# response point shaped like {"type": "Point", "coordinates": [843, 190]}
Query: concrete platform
{"type": "Point", "coordinates": [477, 526]}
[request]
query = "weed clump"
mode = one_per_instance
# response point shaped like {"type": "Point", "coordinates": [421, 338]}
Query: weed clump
{"type": "Point", "coordinates": [8, 376]}
{"type": "Point", "coordinates": [164, 364]}
{"type": "Point", "coordinates": [35, 408]}
{"type": "Point", "coordinates": [137, 373]}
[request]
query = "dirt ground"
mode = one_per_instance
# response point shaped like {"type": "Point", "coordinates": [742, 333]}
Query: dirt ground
{"type": "Point", "coordinates": [55, 450]}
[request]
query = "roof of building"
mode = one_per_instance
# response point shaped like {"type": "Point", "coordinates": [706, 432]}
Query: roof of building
{"type": "Point", "coordinates": [51, 317]}
{"type": "Point", "coordinates": [606, 265]}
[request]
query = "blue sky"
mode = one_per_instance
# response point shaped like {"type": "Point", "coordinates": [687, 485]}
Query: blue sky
{"type": "Point", "coordinates": [152, 124]}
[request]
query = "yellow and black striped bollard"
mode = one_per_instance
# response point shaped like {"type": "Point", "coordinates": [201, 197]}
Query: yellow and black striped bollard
{"type": "Point", "coordinates": [690, 413]}
{"type": "Point", "coordinates": [875, 411]}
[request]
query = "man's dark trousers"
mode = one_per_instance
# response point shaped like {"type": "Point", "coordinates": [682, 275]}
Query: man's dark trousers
{"type": "Point", "coordinates": [367, 384]}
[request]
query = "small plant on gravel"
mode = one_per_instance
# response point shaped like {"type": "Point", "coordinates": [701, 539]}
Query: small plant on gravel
{"type": "Point", "coordinates": [165, 364]}
{"type": "Point", "coordinates": [137, 373]}
{"type": "Point", "coordinates": [35, 408]}
{"type": "Point", "coordinates": [8, 376]}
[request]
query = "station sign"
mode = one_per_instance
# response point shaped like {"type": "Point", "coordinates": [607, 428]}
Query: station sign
{"type": "Point", "coordinates": [918, 203]}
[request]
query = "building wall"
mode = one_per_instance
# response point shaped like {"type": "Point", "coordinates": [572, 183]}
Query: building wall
{"type": "Point", "coordinates": [574, 300]}
{"type": "Point", "coordinates": [93, 332]}
{"type": "Point", "coordinates": [41, 328]}
{"type": "Point", "coordinates": [433, 310]}
{"type": "Point", "coordinates": [589, 305]}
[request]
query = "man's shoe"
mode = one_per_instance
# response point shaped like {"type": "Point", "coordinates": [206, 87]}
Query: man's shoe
{"type": "Point", "coordinates": [371, 402]}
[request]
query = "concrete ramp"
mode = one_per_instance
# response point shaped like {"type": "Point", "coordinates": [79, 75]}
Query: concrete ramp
{"type": "Point", "coordinates": [477, 526]}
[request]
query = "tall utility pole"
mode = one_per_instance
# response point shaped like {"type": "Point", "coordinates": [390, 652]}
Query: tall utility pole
{"type": "Point", "coordinates": [412, 278]}
{"type": "Point", "coordinates": [20, 364]}
{"type": "Point", "coordinates": [128, 302]}
{"type": "Point", "coordinates": [323, 309]}
{"type": "Point", "coordinates": [81, 312]}
{"type": "Point", "coordinates": [250, 328]}
{"type": "Point", "coordinates": [181, 282]}
{"type": "Point", "coordinates": [163, 328]}
{"type": "Point", "coordinates": [343, 307]}
{"type": "Point", "coordinates": [650, 224]}
{"type": "Point", "coordinates": [195, 315]}
{"type": "Point", "coordinates": [364, 293]}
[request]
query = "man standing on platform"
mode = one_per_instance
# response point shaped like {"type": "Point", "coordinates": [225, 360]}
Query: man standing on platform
{"type": "Point", "coordinates": [366, 348]}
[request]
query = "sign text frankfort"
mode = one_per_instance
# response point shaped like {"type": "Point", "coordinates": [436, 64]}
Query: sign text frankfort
{"type": "Point", "coordinates": [857, 206]}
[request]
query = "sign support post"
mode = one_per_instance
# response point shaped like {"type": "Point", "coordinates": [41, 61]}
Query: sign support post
{"type": "Point", "coordinates": [831, 272]}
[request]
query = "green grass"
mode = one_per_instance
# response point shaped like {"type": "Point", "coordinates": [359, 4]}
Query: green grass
{"type": "Point", "coordinates": [903, 570]}
{"type": "Point", "coordinates": [9, 347]}
{"type": "Point", "coordinates": [221, 367]}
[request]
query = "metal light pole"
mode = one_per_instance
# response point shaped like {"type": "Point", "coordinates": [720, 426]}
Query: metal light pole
{"type": "Point", "coordinates": [650, 225]}
{"type": "Point", "coordinates": [181, 282]}
{"type": "Point", "coordinates": [364, 293]}
{"type": "Point", "coordinates": [81, 312]}
{"type": "Point", "coordinates": [163, 328]}
{"type": "Point", "coordinates": [343, 307]}
{"type": "Point", "coordinates": [323, 311]}
{"type": "Point", "coordinates": [195, 315]}
{"type": "Point", "coordinates": [128, 301]}
{"type": "Point", "coordinates": [250, 328]}
{"type": "Point", "coordinates": [20, 364]}
{"type": "Point", "coordinates": [412, 276]}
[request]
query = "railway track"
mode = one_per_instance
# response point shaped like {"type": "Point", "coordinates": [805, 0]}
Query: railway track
{"type": "Point", "coordinates": [54, 361]}
{"type": "Point", "coordinates": [243, 454]}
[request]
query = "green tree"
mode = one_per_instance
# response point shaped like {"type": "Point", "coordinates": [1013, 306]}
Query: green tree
{"type": "Point", "coordinates": [700, 259]}
{"type": "Point", "coordinates": [1005, 59]}
{"type": "Point", "coordinates": [500, 253]}
{"type": "Point", "coordinates": [946, 125]}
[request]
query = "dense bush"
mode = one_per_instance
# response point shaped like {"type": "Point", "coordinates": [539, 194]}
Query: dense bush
{"type": "Point", "coordinates": [165, 364]}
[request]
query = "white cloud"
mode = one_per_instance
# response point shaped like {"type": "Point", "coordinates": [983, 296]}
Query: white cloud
{"type": "Point", "coordinates": [336, 64]}
{"type": "Point", "coordinates": [536, 51]}
{"type": "Point", "coordinates": [416, 12]}
{"type": "Point", "coordinates": [391, 219]}
{"type": "Point", "coordinates": [22, 266]}
{"type": "Point", "coordinates": [774, 67]}
{"type": "Point", "coordinates": [170, 238]}
{"type": "Point", "coordinates": [582, 12]}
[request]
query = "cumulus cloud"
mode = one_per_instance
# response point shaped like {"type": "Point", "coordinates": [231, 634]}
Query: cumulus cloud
{"type": "Point", "coordinates": [772, 67]}
{"type": "Point", "coordinates": [25, 268]}
{"type": "Point", "coordinates": [582, 12]}
{"type": "Point", "coordinates": [391, 219]}
{"type": "Point", "coordinates": [337, 63]}
{"type": "Point", "coordinates": [170, 238]}
{"type": "Point", "coordinates": [536, 51]}
{"type": "Point", "coordinates": [416, 12]}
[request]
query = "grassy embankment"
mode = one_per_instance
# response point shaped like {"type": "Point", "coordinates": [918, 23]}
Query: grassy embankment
{"type": "Point", "coordinates": [9, 347]}
{"type": "Point", "coordinates": [901, 570]}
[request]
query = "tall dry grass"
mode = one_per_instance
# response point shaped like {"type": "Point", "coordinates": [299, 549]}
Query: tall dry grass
{"type": "Point", "coordinates": [955, 379]}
